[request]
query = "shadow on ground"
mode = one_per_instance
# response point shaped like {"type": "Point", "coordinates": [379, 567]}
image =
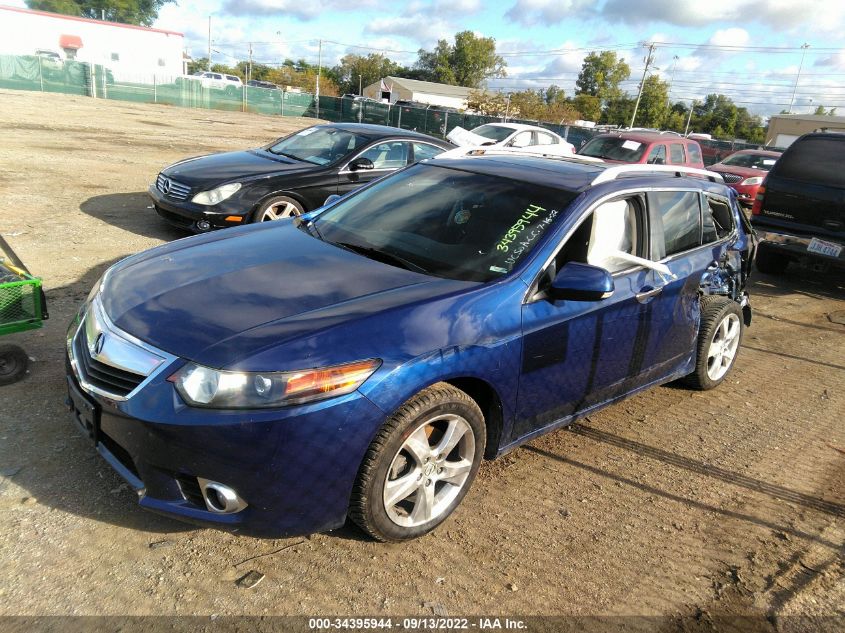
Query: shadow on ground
{"type": "Point", "coordinates": [132, 211]}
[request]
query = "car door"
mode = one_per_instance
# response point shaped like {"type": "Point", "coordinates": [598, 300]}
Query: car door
{"type": "Point", "coordinates": [690, 248]}
{"type": "Point", "coordinates": [387, 156]}
{"type": "Point", "coordinates": [577, 354]}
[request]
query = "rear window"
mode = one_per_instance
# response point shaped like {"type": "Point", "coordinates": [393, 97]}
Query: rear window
{"type": "Point", "coordinates": [677, 154]}
{"type": "Point", "coordinates": [816, 160]}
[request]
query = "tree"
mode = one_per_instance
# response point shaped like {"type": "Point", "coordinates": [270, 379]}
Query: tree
{"type": "Point", "coordinates": [197, 65]}
{"type": "Point", "coordinates": [618, 111]}
{"type": "Point", "coordinates": [588, 105]}
{"type": "Point", "coordinates": [487, 103]}
{"type": "Point", "coordinates": [142, 12]}
{"type": "Point", "coordinates": [355, 70]}
{"type": "Point", "coordinates": [654, 103]}
{"type": "Point", "coordinates": [468, 62]}
{"type": "Point", "coordinates": [600, 76]}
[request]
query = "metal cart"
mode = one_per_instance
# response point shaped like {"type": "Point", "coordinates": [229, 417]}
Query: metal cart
{"type": "Point", "coordinates": [22, 307]}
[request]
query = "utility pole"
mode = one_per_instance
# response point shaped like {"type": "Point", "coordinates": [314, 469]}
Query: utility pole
{"type": "Point", "coordinates": [319, 72]}
{"type": "Point", "coordinates": [649, 58]}
{"type": "Point", "coordinates": [209, 43]}
{"type": "Point", "coordinates": [804, 48]}
{"type": "Point", "coordinates": [672, 80]}
{"type": "Point", "coordinates": [689, 118]}
{"type": "Point", "coordinates": [360, 93]}
{"type": "Point", "coordinates": [249, 73]}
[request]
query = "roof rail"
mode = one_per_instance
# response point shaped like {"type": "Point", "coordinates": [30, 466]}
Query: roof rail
{"type": "Point", "coordinates": [612, 173]}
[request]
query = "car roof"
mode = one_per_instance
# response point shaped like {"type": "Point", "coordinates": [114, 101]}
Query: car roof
{"type": "Point", "coordinates": [644, 137]}
{"type": "Point", "coordinates": [758, 152]}
{"type": "Point", "coordinates": [373, 130]}
{"type": "Point", "coordinates": [563, 173]}
{"type": "Point", "coordinates": [518, 126]}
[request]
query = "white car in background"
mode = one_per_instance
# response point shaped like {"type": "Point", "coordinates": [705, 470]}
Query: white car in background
{"type": "Point", "coordinates": [221, 81]}
{"type": "Point", "coordinates": [513, 136]}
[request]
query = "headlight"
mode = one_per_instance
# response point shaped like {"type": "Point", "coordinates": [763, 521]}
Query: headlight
{"type": "Point", "coordinates": [755, 180]}
{"type": "Point", "coordinates": [215, 389]}
{"type": "Point", "coordinates": [215, 196]}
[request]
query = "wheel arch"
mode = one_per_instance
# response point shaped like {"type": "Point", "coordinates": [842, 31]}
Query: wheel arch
{"type": "Point", "coordinates": [490, 403]}
{"type": "Point", "coordinates": [275, 194]}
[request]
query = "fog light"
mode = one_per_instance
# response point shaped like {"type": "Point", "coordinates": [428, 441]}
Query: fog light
{"type": "Point", "coordinates": [203, 225]}
{"type": "Point", "coordinates": [219, 498]}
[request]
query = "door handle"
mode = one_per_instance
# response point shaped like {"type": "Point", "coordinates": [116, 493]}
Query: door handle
{"type": "Point", "coordinates": [647, 293]}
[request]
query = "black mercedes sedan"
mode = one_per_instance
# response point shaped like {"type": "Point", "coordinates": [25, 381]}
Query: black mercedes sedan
{"type": "Point", "coordinates": [288, 177]}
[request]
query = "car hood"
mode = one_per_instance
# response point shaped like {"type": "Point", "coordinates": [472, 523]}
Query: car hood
{"type": "Point", "coordinates": [217, 301]}
{"type": "Point", "coordinates": [231, 165]}
{"type": "Point", "coordinates": [745, 172]}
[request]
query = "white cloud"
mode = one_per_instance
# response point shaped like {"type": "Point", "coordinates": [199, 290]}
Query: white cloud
{"type": "Point", "coordinates": [421, 27]}
{"type": "Point", "coordinates": [730, 37]}
{"type": "Point", "coordinates": [547, 12]}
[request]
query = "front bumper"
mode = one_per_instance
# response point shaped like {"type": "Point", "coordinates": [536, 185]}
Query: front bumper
{"type": "Point", "coordinates": [189, 215]}
{"type": "Point", "coordinates": [798, 246]}
{"type": "Point", "coordinates": [745, 193]}
{"type": "Point", "coordinates": [294, 466]}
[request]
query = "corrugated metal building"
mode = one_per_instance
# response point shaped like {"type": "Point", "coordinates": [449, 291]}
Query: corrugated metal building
{"type": "Point", "coordinates": [392, 89]}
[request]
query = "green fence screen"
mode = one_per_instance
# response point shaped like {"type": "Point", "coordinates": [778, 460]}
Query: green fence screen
{"type": "Point", "coordinates": [71, 77]}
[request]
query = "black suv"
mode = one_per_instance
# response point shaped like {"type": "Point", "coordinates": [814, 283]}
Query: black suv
{"type": "Point", "coordinates": [799, 212]}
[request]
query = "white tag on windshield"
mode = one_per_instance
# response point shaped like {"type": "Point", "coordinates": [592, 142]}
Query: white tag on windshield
{"type": "Point", "coordinates": [631, 145]}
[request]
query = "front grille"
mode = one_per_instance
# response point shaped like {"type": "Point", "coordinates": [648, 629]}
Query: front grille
{"type": "Point", "coordinates": [731, 179]}
{"type": "Point", "coordinates": [98, 374]}
{"type": "Point", "coordinates": [172, 188]}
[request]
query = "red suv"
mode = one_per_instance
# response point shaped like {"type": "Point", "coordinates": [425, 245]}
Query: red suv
{"type": "Point", "coordinates": [652, 148]}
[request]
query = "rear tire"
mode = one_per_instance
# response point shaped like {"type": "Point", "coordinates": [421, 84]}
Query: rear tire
{"type": "Point", "coordinates": [719, 338]}
{"type": "Point", "coordinates": [13, 364]}
{"type": "Point", "coordinates": [769, 261]}
{"type": "Point", "coordinates": [420, 465]}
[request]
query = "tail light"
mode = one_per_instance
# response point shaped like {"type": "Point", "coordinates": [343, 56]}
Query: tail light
{"type": "Point", "coordinates": [757, 207]}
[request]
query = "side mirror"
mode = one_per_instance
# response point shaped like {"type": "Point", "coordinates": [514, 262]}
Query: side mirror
{"type": "Point", "coordinates": [331, 199]}
{"type": "Point", "coordinates": [360, 164]}
{"type": "Point", "coordinates": [581, 282]}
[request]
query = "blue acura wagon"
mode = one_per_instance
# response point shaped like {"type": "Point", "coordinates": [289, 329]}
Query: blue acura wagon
{"type": "Point", "coordinates": [360, 361]}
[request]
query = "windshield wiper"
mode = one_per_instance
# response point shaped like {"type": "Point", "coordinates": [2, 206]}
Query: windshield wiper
{"type": "Point", "coordinates": [387, 258]}
{"type": "Point", "coordinates": [308, 225]}
{"type": "Point", "coordinates": [291, 156]}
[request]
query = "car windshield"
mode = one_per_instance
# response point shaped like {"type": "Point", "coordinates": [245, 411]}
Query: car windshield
{"type": "Point", "coordinates": [614, 148]}
{"type": "Point", "coordinates": [493, 132]}
{"type": "Point", "coordinates": [320, 145]}
{"type": "Point", "coordinates": [445, 222]}
{"type": "Point", "coordinates": [755, 161]}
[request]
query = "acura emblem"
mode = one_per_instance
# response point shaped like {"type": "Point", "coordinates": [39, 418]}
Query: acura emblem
{"type": "Point", "coordinates": [99, 343]}
{"type": "Point", "coordinates": [165, 185]}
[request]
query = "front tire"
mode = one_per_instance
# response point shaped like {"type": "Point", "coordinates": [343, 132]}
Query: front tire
{"type": "Point", "coordinates": [278, 208]}
{"type": "Point", "coordinates": [719, 338]}
{"type": "Point", "coordinates": [420, 465]}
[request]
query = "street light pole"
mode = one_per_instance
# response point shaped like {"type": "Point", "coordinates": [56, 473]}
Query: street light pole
{"type": "Point", "coordinates": [804, 48]}
{"type": "Point", "coordinates": [209, 42]}
{"type": "Point", "coordinates": [649, 58]}
{"type": "Point", "coordinates": [672, 79]}
{"type": "Point", "coordinates": [360, 94]}
{"type": "Point", "coordinates": [319, 72]}
{"type": "Point", "coordinates": [689, 118]}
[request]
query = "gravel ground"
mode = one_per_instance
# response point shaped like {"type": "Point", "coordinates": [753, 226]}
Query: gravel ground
{"type": "Point", "coordinates": [673, 503]}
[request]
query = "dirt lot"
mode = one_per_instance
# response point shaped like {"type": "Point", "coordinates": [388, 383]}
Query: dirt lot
{"type": "Point", "coordinates": [673, 503]}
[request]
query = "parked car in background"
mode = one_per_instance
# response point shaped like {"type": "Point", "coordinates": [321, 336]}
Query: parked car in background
{"type": "Point", "coordinates": [52, 63]}
{"type": "Point", "coordinates": [514, 136]}
{"type": "Point", "coordinates": [745, 170]}
{"type": "Point", "coordinates": [220, 81]}
{"type": "Point", "coordinates": [652, 148]}
{"type": "Point", "coordinates": [799, 211]}
{"type": "Point", "coordinates": [285, 178]}
{"type": "Point", "coordinates": [257, 83]}
{"type": "Point", "coordinates": [362, 360]}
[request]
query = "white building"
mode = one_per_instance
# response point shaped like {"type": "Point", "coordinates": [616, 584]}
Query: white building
{"type": "Point", "coordinates": [396, 88]}
{"type": "Point", "coordinates": [133, 53]}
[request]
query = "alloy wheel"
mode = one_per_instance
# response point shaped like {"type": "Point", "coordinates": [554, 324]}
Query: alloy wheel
{"type": "Point", "coordinates": [723, 347]}
{"type": "Point", "coordinates": [429, 470]}
{"type": "Point", "coordinates": [279, 210]}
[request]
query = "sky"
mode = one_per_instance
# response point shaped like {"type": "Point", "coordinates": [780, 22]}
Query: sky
{"type": "Point", "coordinates": [749, 50]}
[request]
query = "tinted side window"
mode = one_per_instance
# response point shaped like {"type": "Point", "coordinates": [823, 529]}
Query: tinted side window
{"type": "Point", "coordinates": [389, 155]}
{"type": "Point", "coordinates": [675, 222]}
{"type": "Point", "coordinates": [657, 156]}
{"type": "Point", "coordinates": [694, 154]}
{"type": "Point", "coordinates": [677, 154]}
{"type": "Point", "coordinates": [814, 160]}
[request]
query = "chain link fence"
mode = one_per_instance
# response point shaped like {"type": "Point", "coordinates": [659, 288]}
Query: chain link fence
{"type": "Point", "coordinates": [30, 72]}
